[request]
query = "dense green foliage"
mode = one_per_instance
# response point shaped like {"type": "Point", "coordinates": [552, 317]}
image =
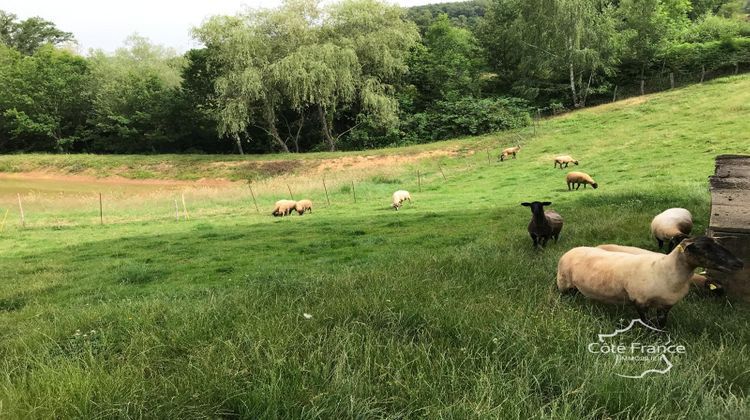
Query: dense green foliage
{"type": "Point", "coordinates": [355, 74]}
{"type": "Point", "coordinates": [440, 310]}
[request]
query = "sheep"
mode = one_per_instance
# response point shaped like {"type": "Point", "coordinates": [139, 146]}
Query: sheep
{"type": "Point", "coordinates": [671, 226]}
{"type": "Point", "coordinates": [698, 280]}
{"type": "Point", "coordinates": [302, 206]}
{"type": "Point", "coordinates": [559, 160]}
{"type": "Point", "coordinates": [399, 197]}
{"type": "Point", "coordinates": [509, 151]}
{"type": "Point", "coordinates": [647, 280]}
{"type": "Point", "coordinates": [283, 207]}
{"type": "Point", "coordinates": [544, 224]}
{"type": "Point", "coordinates": [579, 178]}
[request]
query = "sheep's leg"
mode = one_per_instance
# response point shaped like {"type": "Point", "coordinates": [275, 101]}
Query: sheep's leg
{"type": "Point", "coordinates": [514, 155]}
{"type": "Point", "coordinates": [661, 317]}
{"type": "Point", "coordinates": [661, 243]}
{"type": "Point", "coordinates": [642, 312]}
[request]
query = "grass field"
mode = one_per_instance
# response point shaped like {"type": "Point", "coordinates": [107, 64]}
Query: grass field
{"type": "Point", "coordinates": [442, 309]}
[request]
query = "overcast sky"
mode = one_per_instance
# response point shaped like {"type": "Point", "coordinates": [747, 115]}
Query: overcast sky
{"type": "Point", "coordinates": [105, 24]}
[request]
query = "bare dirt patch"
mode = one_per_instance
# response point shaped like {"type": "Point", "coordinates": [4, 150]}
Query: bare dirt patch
{"type": "Point", "coordinates": [375, 161]}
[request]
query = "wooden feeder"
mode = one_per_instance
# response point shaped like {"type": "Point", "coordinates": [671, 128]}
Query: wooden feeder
{"type": "Point", "coordinates": [730, 218]}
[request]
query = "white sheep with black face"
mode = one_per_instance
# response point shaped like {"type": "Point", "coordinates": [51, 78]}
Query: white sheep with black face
{"type": "Point", "coordinates": [646, 280]}
{"type": "Point", "coordinates": [399, 197]}
{"type": "Point", "coordinates": [671, 226]}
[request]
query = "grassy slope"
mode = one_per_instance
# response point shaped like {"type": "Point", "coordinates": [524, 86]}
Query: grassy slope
{"type": "Point", "coordinates": [440, 309]}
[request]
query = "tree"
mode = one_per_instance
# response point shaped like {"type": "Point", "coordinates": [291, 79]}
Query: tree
{"type": "Point", "coordinates": [647, 25]}
{"type": "Point", "coordinates": [551, 39]}
{"type": "Point", "coordinates": [329, 62]}
{"type": "Point", "coordinates": [43, 103]}
{"type": "Point", "coordinates": [29, 35]}
{"type": "Point", "coordinates": [133, 92]}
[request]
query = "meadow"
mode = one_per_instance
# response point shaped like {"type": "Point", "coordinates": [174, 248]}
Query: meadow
{"type": "Point", "coordinates": [442, 309]}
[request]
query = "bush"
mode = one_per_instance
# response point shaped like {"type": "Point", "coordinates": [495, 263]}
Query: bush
{"type": "Point", "coordinates": [714, 28]}
{"type": "Point", "coordinates": [713, 54]}
{"type": "Point", "coordinates": [466, 116]}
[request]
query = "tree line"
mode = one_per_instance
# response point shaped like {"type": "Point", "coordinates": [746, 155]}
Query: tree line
{"type": "Point", "coordinates": [356, 74]}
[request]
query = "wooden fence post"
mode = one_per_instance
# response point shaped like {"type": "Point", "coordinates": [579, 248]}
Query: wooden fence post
{"type": "Point", "coordinates": [176, 210]}
{"type": "Point", "coordinates": [442, 173]}
{"type": "Point", "coordinates": [252, 193]}
{"type": "Point", "coordinates": [328, 200]}
{"type": "Point", "coordinates": [703, 72]}
{"type": "Point", "coordinates": [2, 226]}
{"type": "Point", "coordinates": [101, 210]}
{"type": "Point", "coordinates": [671, 80]}
{"type": "Point", "coordinates": [614, 95]}
{"type": "Point", "coordinates": [419, 180]}
{"type": "Point", "coordinates": [354, 193]}
{"type": "Point", "coordinates": [488, 157]}
{"type": "Point", "coordinates": [184, 208]}
{"type": "Point", "coordinates": [290, 191]}
{"type": "Point", "coordinates": [20, 208]}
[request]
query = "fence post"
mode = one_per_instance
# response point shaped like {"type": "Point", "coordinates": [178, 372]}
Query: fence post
{"type": "Point", "coordinates": [290, 191]}
{"type": "Point", "coordinates": [101, 210]}
{"type": "Point", "coordinates": [441, 172]}
{"type": "Point", "coordinates": [419, 180]}
{"type": "Point", "coordinates": [671, 80]}
{"type": "Point", "coordinates": [20, 208]}
{"type": "Point", "coordinates": [643, 87]}
{"type": "Point", "coordinates": [614, 95]}
{"type": "Point", "coordinates": [488, 157]}
{"type": "Point", "coordinates": [184, 208]}
{"type": "Point", "coordinates": [354, 193]}
{"type": "Point", "coordinates": [328, 200]}
{"type": "Point", "coordinates": [253, 194]}
{"type": "Point", "coordinates": [703, 72]}
{"type": "Point", "coordinates": [2, 226]}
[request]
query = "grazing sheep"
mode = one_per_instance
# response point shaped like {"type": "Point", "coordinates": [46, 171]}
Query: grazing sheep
{"type": "Point", "coordinates": [671, 226]}
{"type": "Point", "coordinates": [302, 206]}
{"type": "Point", "coordinates": [544, 224]}
{"type": "Point", "coordinates": [699, 280]}
{"type": "Point", "coordinates": [509, 151]}
{"type": "Point", "coordinates": [283, 207]}
{"type": "Point", "coordinates": [579, 178]}
{"type": "Point", "coordinates": [647, 280]}
{"type": "Point", "coordinates": [559, 160]}
{"type": "Point", "coordinates": [399, 197]}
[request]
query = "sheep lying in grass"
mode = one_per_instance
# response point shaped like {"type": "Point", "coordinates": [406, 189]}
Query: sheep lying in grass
{"type": "Point", "coordinates": [399, 197]}
{"type": "Point", "coordinates": [509, 151]}
{"type": "Point", "coordinates": [647, 280]}
{"type": "Point", "coordinates": [671, 226]}
{"type": "Point", "coordinates": [302, 206]}
{"type": "Point", "coordinates": [544, 224]}
{"type": "Point", "coordinates": [579, 178]}
{"type": "Point", "coordinates": [559, 160]}
{"type": "Point", "coordinates": [284, 207]}
{"type": "Point", "coordinates": [698, 280]}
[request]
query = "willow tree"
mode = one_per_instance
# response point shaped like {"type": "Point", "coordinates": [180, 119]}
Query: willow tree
{"type": "Point", "coordinates": [304, 58]}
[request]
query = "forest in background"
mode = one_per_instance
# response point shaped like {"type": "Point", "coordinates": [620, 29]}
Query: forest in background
{"type": "Point", "coordinates": [357, 74]}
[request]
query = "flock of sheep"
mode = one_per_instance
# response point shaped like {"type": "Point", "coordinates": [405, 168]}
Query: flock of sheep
{"type": "Point", "coordinates": [613, 273]}
{"type": "Point", "coordinates": [623, 274]}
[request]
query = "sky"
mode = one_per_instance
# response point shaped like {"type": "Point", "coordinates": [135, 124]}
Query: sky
{"type": "Point", "coordinates": [104, 24]}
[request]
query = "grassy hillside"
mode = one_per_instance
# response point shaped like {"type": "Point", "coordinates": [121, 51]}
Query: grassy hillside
{"type": "Point", "coordinates": [441, 309]}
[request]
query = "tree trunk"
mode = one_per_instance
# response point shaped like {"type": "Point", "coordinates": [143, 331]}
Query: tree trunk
{"type": "Point", "coordinates": [573, 86]}
{"type": "Point", "coordinates": [643, 80]}
{"type": "Point", "coordinates": [238, 143]}
{"type": "Point", "coordinates": [326, 129]}
{"type": "Point", "coordinates": [586, 91]}
{"type": "Point", "coordinates": [273, 131]}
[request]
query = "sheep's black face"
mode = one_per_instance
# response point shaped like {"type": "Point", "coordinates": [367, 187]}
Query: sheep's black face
{"type": "Point", "coordinates": [703, 251]}
{"type": "Point", "coordinates": [594, 185]}
{"type": "Point", "coordinates": [575, 162]}
{"type": "Point", "coordinates": [537, 207]}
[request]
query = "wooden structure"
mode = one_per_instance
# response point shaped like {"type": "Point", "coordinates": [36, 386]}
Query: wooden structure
{"type": "Point", "coordinates": [730, 218]}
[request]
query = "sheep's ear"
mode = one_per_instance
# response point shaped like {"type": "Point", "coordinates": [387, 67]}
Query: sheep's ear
{"type": "Point", "coordinates": [526, 204]}
{"type": "Point", "coordinates": [547, 203]}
